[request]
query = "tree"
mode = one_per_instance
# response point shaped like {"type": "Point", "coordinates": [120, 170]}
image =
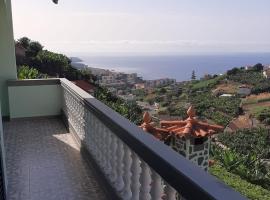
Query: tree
{"type": "Point", "coordinates": [233, 71]}
{"type": "Point", "coordinates": [258, 67]}
{"type": "Point", "coordinates": [33, 49]}
{"type": "Point", "coordinates": [193, 75]}
{"type": "Point", "coordinates": [51, 63]}
{"type": "Point", "coordinates": [129, 110]}
{"type": "Point", "coordinates": [24, 41]}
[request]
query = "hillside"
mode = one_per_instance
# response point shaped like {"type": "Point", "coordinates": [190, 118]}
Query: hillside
{"type": "Point", "coordinates": [218, 99]}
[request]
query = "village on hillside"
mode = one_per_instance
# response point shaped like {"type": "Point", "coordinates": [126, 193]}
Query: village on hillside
{"type": "Point", "coordinates": [240, 97]}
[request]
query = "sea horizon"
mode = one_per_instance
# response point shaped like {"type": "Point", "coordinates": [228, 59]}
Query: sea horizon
{"type": "Point", "coordinates": [174, 66]}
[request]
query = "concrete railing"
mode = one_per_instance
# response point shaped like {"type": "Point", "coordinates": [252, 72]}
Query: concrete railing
{"type": "Point", "coordinates": [136, 165]}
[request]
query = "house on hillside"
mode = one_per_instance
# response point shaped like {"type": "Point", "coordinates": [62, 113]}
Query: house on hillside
{"type": "Point", "coordinates": [20, 53]}
{"type": "Point", "coordinates": [249, 67]}
{"type": "Point", "coordinates": [139, 86]}
{"type": "Point", "coordinates": [86, 86]}
{"type": "Point", "coordinates": [244, 90]}
{"type": "Point", "coordinates": [266, 73]}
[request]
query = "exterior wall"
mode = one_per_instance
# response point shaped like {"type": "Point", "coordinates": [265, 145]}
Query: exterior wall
{"type": "Point", "coordinates": [3, 175]}
{"type": "Point", "coordinates": [196, 153]}
{"type": "Point", "coordinates": [35, 101]}
{"type": "Point", "coordinates": [7, 53]}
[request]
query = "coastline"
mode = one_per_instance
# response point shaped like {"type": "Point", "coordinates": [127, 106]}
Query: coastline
{"type": "Point", "coordinates": [178, 67]}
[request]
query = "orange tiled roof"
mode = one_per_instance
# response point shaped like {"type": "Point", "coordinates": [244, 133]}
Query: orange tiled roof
{"type": "Point", "coordinates": [86, 86]}
{"type": "Point", "coordinates": [190, 126]}
{"type": "Point", "coordinates": [147, 126]}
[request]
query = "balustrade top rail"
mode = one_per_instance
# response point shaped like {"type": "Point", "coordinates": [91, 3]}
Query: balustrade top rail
{"type": "Point", "coordinates": [181, 174]}
{"type": "Point", "coordinates": [33, 82]}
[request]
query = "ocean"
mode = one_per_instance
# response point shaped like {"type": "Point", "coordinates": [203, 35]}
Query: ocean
{"type": "Point", "coordinates": [178, 67]}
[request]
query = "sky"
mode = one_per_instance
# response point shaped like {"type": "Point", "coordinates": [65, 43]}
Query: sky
{"type": "Point", "coordinates": [145, 26]}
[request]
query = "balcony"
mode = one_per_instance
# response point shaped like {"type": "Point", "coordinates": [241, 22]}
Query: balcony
{"type": "Point", "coordinates": [61, 143]}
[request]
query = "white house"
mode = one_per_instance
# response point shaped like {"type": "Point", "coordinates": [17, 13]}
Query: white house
{"type": "Point", "coordinates": [266, 73]}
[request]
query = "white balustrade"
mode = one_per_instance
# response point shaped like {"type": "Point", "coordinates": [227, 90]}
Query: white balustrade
{"type": "Point", "coordinates": [156, 186]}
{"type": "Point", "coordinates": [129, 175]}
{"type": "Point", "coordinates": [170, 192]}
{"type": "Point", "coordinates": [145, 181]}
{"type": "Point", "coordinates": [126, 193]}
{"type": "Point", "coordinates": [120, 154]}
{"type": "Point", "coordinates": [135, 179]}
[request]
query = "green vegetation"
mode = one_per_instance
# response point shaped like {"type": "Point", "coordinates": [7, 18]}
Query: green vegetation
{"type": "Point", "coordinates": [25, 72]}
{"type": "Point", "coordinates": [254, 141]}
{"type": "Point", "coordinates": [249, 167]}
{"type": "Point", "coordinates": [220, 110]}
{"type": "Point", "coordinates": [249, 190]}
{"type": "Point", "coordinates": [246, 155]}
{"type": "Point", "coordinates": [47, 62]}
{"type": "Point", "coordinates": [129, 110]}
{"type": "Point", "coordinates": [206, 84]}
{"type": "Point", "coordinates": [263, 115]}
{"type": "Point", "coordinates": [253, 77]}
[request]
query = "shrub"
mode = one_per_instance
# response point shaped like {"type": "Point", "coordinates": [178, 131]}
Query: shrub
{"type": "Point", "coordinates": [247, 189]}
{"type": "Point", "coordinates": [248, 141]}
{"type": "Point", "coordinates": [249, 166]}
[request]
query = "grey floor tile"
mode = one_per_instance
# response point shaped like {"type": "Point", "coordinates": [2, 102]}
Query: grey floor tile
{"type": "Point", "coordinates": [44, 162]}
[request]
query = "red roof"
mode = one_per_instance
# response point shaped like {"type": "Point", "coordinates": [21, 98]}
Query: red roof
{"type": "Point", "coordinates": [86, 86]}
{"type": "Point", "coordinates": [190, 126]}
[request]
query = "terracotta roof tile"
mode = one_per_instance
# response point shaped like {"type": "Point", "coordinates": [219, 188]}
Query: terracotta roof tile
{"type": "Point", "coordinates": [85, 85]}
{"type": "Point", "coordinates": [190, 126]}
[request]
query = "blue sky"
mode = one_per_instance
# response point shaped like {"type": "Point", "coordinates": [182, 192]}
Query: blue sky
{"type": "Point", "coordinates": [145, 26]}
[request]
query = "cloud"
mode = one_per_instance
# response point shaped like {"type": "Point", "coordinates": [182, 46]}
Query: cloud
{"type": "Point", "coordinates": [161, 43]}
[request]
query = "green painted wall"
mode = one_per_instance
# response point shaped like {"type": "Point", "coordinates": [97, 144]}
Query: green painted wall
{"type": "Point", "coordinates": [7, 53]}
{"type": "Point", "coordinates": [35, 101]}
{"type": "Point", "coordinates": [3, 151]}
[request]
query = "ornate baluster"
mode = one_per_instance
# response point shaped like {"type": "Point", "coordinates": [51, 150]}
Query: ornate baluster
{"type": "Point", "coordinates": [98, 140]}
{"type": "Point", "coordinates": [95, 150]}
{"type": "Point", "coordinates": [127, 194]}
{"type": "Point", "coordinates": [170, 192]}
{"type": "Point", "coordinates": [135, 179]}
{"type": "Point", "coordinates": [108, 139]}
{"type": "Point", "coordinates": [120, 154]}
{"type": "Point", "coordinates": [104, 147]}
{"type": "Point", "coordinates": [145, 181]}
{"type": "Point", "coordinates": [90, 132]}
{"type": "Point", "coordinates": [156, 186]}
{"type": "Point", "coordinates": [113, 159]}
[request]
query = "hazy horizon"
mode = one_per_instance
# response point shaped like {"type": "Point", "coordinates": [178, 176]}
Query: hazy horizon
{"type": "Point", "coordinates": [145, 27]}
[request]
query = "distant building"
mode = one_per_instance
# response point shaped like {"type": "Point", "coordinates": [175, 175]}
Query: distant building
{"type": "Point", "coordinates": [129, 97]}
{"type": "Point", "coordinates": [266, 73]}
{"type": "Point", "coordinates": [159, 82]}
{"type": "Point", "coordinates": [207, 77]}
{"type": "Point", "coordinates": [248, 67]}
{"type": "Point", "coordinates": [139, 86]}
{"type": "Point", "coordinates": [20, 53]}
{"type": "Point", "coordinates": [244, 90]}
{"type": "Point", "coordinates": [132, 78]}
{"type": "Point", "coordinates": [218, 92]}
{"type": "Point", "coordinates": [20, 50]}
{"type": "Point", "coordinates": [86, 86]}
{"type": "Point", "coordinates": [106, 80]}
{"type": "Point", "coordinates": [226, 95]}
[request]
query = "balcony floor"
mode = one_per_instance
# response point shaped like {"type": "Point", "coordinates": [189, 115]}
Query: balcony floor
{"type": "Point", "coordinates": [44, 162]}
